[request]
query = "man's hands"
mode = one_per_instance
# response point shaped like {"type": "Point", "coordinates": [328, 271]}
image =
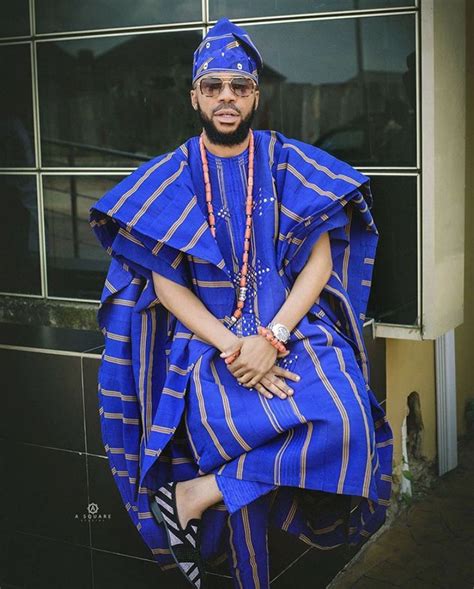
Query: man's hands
{"type": "Point", "coordinates": [255, 366]}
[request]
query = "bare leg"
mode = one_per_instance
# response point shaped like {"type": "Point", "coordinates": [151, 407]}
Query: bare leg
{"type": "Point", "coordinates": [193, 497]}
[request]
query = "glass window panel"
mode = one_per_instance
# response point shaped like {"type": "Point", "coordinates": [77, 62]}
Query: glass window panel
{"type": "Point", "coordinates": [19, 237]}
{"type": "Point", "coordinates": [66, 15]}
{"type": "Point", "coordinates": [394, 296]}
{"type": "Point", "coordinates": [252, 9]}
{"type": "Point", "coordinates": [15, 20]}
{"type": "Point", "coordinates": [115, 101]}
{"type": "Point", "coordinates": [16, 108]}
{"type": "Point", "coordinates": [346, 85]}
{"type": "Point", "coordinates": [76, 262]}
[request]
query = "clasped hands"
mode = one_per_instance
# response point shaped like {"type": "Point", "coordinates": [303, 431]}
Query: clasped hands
{"type": "Point", "coordinates": [255, 366]}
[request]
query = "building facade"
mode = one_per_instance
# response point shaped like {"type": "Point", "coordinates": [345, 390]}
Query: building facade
{"type": "Point", "coordinates": [93, 89]}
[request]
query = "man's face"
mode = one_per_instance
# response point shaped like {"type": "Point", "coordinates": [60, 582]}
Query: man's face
{"type": "Point", "coordinates": [225, 117]}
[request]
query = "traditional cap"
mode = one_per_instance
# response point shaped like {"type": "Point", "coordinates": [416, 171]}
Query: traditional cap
{"type": "Point", "coordinates": [227, 47]}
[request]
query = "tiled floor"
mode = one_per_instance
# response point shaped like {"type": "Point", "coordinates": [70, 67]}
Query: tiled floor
{"type": "Point", "coordinates": [431, 545]}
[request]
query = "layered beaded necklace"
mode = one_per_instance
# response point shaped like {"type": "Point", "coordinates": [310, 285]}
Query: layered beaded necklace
{"type": "Point", "coordinates": [248, 221]}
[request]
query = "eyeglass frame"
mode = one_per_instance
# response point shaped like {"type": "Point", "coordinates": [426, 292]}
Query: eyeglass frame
{"type": "Point", "coordinates": [224, 82]}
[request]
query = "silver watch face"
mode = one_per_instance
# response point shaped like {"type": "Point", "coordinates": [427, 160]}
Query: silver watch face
{"type": "Point", "coordinates": [281, 332]}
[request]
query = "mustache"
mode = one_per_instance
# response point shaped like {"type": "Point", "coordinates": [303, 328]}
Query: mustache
{"type": "Point", "coordinates": [226, 107]}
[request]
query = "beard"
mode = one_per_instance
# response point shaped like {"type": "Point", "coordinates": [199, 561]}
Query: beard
{"type": "Point", "coordinates": [234, 137]}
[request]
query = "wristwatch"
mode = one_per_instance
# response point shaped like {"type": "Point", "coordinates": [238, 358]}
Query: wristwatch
{"type": "Point", "coordinates": [280, 331]}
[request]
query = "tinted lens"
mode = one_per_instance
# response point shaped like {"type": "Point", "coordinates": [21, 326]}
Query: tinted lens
{"type": "Point", "coordinates": [211, 86]}
{"type": "Point", "coordinates": [242, 86]}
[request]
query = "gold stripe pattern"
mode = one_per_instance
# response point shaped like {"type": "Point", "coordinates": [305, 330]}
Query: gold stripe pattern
{"type": "Point", "coordinates": [279, 456]}
{"type": "Point", "coordinates": [342, 412]}
{"type": "Point", "coordinates": [151, 199]}
{"type": "Point", "coordinates": [162, 429]}
{"type": "Point", "coordinates": [320, 167]}
{"type": "Point", "coordinates": [234, 555]}
{"type": "Point", "coordinates": [118, 394]}
{"type": "Point", "coordinates": [137, 184]}
{"type": "Point", "coordinates": [227, 411]}
{"type": "Point", "coordinates": [302, 179]}
{"type": "Point", "coordinates": [213, 283]}
{"type": "Point", "coordinates": [304, 452]}
{"type": "Point", "coordinates": [202, 411]}
{"type": "Point", "coordinates": [116, 336]}
{"type": "Point", "coordinates": [116, 360]}
{"type": "Point", "coordinates": [123, 302]}
{"type": "Point", "coordinates": [250, 548]}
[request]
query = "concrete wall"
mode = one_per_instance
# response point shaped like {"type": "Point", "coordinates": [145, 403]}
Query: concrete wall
{"type": "Point", "coordinates": [464, 334]}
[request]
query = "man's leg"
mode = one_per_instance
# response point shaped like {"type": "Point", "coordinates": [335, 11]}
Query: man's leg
{"type": "Point", "coordinates": [249, 504]}
{"type": "Point", "coordinates": [237, 493]}
{"type": "Point", "coordinates": [248, 544]}
{"type": "Point", "coordinates": [194, 496]}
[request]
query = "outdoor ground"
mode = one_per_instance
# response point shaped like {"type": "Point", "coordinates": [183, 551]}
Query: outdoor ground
{"type": "Point", "coordinates": [430, 544]}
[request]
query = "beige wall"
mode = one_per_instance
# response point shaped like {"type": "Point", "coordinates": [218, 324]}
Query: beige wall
{"type": "Point", "coordinates": [464, 334]}
{"type": "Point", "coordinates": [411, 364]}
{"type": "Point", "coordinates": [443, 123]}
{"type": "Point", "coordinates": [411, 367]}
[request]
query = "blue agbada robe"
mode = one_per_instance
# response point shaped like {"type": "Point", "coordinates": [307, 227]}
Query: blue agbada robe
{"type": "Point", "coordinates": [170, 408]}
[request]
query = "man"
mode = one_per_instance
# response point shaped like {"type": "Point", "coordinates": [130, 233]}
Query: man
{"type": "Point", "coordinates": [234, 384]}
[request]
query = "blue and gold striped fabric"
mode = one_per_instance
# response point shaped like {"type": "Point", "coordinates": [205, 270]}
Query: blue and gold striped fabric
{"type": "Point", "coordinates": [169, 407]}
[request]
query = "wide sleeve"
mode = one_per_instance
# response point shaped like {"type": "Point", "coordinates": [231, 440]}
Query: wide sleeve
{"type": "Point", "coordinates": [162, 259]}
{"type": "Point", "coordinates": [319, 193]}
{"type": "Point", "coordinates": [304, 237]}
{"type": "Point", "coordinates": [142, 221]}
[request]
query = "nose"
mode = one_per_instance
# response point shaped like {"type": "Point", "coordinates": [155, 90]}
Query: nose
{"type": "Point", "coordinates": [226, 94]}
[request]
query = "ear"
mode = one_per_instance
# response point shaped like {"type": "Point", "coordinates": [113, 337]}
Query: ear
{"type": "Point", "coordinates": [193, 97]}
{"type": "Point", "coordinates": [257, 98]}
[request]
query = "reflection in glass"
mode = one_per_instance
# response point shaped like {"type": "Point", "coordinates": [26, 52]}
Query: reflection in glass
{"type": "Point", "coordinates": [16, 109]}
{"type": "Point", "coordinates": [15, 20]}
{"type": "Point", "coordinates": [345, 85]}
{"type": "Point", "coordinates": [63, 15]}
{"type": "Point", "coordinates": [76, 262]}
{"type": "Point", "coordinates": [19, 237]}
{"type": "Point", "coordinates": [115, 101]}
{"type": "Point", "coordinates": [250, 8]}
{"type": "Point", "coordinates": [393, 297]}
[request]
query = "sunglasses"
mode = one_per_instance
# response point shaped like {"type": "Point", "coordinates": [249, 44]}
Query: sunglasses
{"type": "Point", "coordinates": [212, 86]}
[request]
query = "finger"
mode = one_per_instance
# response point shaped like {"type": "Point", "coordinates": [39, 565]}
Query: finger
{"type": "Point", "coordinates": [278, 370]}
{"type": "Point", "coordinates": [272, 386]}
{"type": "Point", "coordinates": [263, 391]}
{"type": "Point", "coordinates": [256, 379]}
{"type": "Point", "coordinates": [245, 374]}
{"type": "Point", "coordinates": [246, 378]}
{"type": "Point", "coordinates": [281, 384]}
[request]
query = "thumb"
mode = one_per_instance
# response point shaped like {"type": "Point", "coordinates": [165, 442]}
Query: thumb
{"type": "Point", "coordinates": [283, 354]}
{"type": "Point", "coordinates": [231, 350]}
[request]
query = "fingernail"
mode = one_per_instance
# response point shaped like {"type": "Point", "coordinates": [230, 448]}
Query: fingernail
{"type": "Point", "coordinates": [290, 390]}
{"type": "Point", "coordinates": [270, 396]}
{"type": "Point", "coordinates": [298, 378]}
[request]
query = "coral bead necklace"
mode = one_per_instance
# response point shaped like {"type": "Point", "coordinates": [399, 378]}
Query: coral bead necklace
{"type": "Point", "coordinates": [248, 220]}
